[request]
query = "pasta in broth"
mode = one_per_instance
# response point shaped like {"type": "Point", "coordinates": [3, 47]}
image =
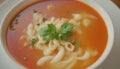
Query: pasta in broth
{"type": "Point", "coordinates": [61, 42]}
{"type": "Point", "coordinates": [65, 48]}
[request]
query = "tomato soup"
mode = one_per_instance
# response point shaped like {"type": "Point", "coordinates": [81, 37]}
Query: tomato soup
{"type": "Point", "coordinates": [95, 36]}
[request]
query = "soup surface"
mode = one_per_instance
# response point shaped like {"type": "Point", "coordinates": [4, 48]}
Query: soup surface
{"type": "Point", "coordinates": [91, 34]}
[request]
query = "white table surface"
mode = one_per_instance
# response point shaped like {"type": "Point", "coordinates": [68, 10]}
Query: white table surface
{"type": "Point", "coordinates": [113, 59]}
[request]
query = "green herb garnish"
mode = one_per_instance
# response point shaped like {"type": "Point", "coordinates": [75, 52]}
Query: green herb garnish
{"type": "Point", "coordinates": [66, 27]}
{"type": "Point", "coordinates": [33, 41]}
{"type": "Point", "coordinates": [65, 31]}
{"type": "Point", "coordinates": [50, 32]}
{"type": "Point", "coordinates": [78, 44]}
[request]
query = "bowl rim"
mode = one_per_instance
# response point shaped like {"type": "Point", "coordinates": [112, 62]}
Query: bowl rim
{"type": "Point", "coordinates": [93, 4]}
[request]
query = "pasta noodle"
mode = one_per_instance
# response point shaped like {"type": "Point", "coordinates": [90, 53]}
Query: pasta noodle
{"type": "Point", "coordinates": [69, 46]}
{"type": "Point", "coordinates": [66, 62]}
{"type": "Point", "coordinates": [37, 17]}
{"type": "Point", "coordinates": [51, 47]}
{"type": "Point", "coordinates": [44, 59]}
{"type": "Point", "coordinates": [77, 17]}
{"type": "Point", "coordinates": [71, 65]}
{"type": "Point", "coordinates": [86, 22]}
{"type": "Point", "coordinates": [59, 55]}
{"type": "Point", "coordinates": [30, 30]}
{"type": "Point", "coordinates": [53, 43]}
{"type": "Point", "coordinates": [85, 56]}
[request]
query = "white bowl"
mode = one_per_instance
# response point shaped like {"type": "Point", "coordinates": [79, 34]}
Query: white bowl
{"type": "Point", "coordinates": [13, 11]}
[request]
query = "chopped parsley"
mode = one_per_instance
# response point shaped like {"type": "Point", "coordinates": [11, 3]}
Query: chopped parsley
{"type": "Point", "coordinates": [78, 44]}
{"type": "Point", "coordinates": [33, 41]}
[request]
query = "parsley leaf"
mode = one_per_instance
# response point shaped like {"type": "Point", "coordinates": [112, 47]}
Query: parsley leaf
{"type": "Point", "coordinates": [66, 27]}
{"type": "Point", "coordinates": [33, 41]}
{"type": "Point", "coordinates": [65, 35]}
{"type": "Point", "coordinates": [50, 32]}
{"type": "Point", "coordinates": [65, 31]}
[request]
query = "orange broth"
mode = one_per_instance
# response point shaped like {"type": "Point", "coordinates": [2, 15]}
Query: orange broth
{"type": "Point", "coordinates": [95, 36]}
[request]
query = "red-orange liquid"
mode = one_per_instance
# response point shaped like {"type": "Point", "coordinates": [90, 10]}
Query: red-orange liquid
{"type": "Point", "coordinates": [95, 36]}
